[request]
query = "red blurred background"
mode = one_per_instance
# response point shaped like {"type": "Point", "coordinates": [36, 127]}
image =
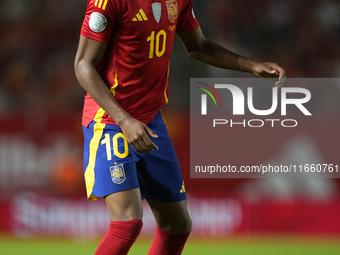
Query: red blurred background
{"type": "Point", "coordinates": [41, 175]}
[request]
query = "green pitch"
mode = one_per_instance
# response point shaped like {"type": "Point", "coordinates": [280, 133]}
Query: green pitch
{"type": "Point", "coordinates": [234, 246]}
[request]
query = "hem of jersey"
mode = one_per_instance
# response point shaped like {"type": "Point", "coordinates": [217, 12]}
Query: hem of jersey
{"type": "Point", "coordinates": [108, 120]}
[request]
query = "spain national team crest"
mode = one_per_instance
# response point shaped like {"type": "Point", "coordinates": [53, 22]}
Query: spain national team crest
{"type": "Point", "coordinates": [172, 10]}
{"type": "Point", "coordinates": [118, 174]}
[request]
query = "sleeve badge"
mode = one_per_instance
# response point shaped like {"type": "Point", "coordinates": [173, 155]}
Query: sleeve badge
{"type": "Point", "coordinates": [97, 22]}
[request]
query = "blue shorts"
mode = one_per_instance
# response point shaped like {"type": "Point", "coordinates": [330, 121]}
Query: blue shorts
{"type": "Point", "coordinates": [112, 165]}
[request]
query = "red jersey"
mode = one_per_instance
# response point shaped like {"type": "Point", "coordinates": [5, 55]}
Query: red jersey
{"type": "Point", "coordinates": [135, 66]}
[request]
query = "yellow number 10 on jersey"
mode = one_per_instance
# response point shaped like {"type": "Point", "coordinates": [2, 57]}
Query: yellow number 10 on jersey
{"type": "Point", "coordinates": [107, 142]}
{"type": "Point", "coordinates": [159, 49]}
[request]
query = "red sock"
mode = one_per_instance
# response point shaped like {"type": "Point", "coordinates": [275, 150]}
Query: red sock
{"type": "Point", "coordinates": [167, 243]}
{"type": "Point", "coordinates": [120, 237]}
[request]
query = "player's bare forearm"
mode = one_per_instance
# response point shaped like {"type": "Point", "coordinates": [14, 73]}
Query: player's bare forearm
{"type": "Point", "coordinates": [134, 131]}
{"type": "Point", "coordinates": [88, 56]}
{"type": "Point", "coordinates": [205, 50]}
{"type": "Point", "coordinates": [93, 84]}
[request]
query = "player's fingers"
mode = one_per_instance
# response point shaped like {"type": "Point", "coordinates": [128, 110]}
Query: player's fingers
{"type": "Point", "coordinates": [280, 71]}
{"type": "Point", "coordinates": [280, 82]}
{"type": "Point", "coordinates": [150, 132]}
{"type": "Point", "coordinates": [140, 146]}
{"type": "Point", "coordinates": [149, 143]}
{"type": "Point", "coordinates": [137, 147]}
{"type": "Point", "coordinates": [267, 68]}
{"type": "Point", "coordinates": [143, 145]}
{"type": "Point", "coordinates": [282, 76]}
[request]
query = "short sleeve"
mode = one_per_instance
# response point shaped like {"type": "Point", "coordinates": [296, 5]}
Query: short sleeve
{"type": "Point", "coordinates": [100, 19]}
{"type": "Point", "coordinates": [187, 21]}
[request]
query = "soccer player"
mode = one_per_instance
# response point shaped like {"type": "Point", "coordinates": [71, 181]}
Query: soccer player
{"type": "Point", "coordinates": [123, 63]}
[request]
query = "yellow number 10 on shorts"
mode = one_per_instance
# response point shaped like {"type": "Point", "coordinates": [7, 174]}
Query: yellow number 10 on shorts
{"type": "Point", "coordinates": [112, 165]}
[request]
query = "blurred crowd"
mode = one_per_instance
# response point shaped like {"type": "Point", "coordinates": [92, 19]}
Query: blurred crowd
{"type": "Point", "coordinates": [37, 49]}
{"type": "Point", "coordinates": [301, 35]}
{"type": "Point", "coordinates": [39, 38]}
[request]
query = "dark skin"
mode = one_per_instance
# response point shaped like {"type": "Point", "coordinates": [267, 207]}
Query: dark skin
{"type": "Point", "coordinates": [127, 205]}
{"type": "Point", "coordinates": [90, 53]}
{"type": "Point", "coordinates": [209, 52]}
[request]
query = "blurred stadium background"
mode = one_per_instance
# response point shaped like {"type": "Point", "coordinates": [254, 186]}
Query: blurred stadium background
{"type": "Point", "coordinates": [41, 179]}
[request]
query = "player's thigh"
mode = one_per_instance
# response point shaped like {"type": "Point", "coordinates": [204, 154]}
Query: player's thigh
{"type": "Point", "coordinates": [110, 171]}
{"type": "Point", "coordinates": [159, 172]}
{"type": "Point", "coordinates": [171, 216]}
{"type": "Point", "coordinates": [125, 205]}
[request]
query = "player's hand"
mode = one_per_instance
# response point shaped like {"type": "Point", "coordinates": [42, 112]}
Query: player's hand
{"type": "Point", "coordinates": [270, 70]}
{"type": "Point", "coordinates": [137, 133]}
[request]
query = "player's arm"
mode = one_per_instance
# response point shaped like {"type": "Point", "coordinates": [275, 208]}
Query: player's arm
{"type": "Point", "coordinates": [200, 48]}
{"type": "Point", "coordinates": [89, 54]}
